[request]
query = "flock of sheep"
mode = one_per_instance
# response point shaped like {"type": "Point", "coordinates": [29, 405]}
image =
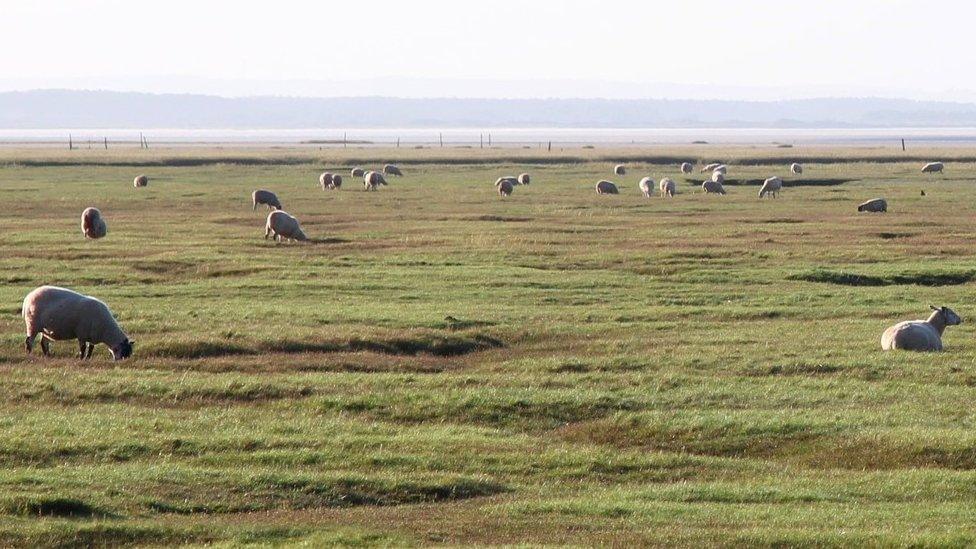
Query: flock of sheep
{"type": "Point", "coordinates": [58, 314]}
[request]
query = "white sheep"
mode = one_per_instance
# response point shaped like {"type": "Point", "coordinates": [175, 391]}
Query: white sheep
{"type": "Point", "coordinates": [933, 167]}
{"type": "Point", "coordinates": [686, 167]}
{"type": "Point", "coordinates": [524, 179]}
{"type": "Point", "coordinates": [357, 172]}
{"type": "Point", "coordinates": [710, 167]}
{"type": "Point", "coordinates": [140, 181]}
{"type": "Point", "coordinates": [58, 314]}
{"type": "Point", "coordinates": [281, 226]}
{"type": "Point", "coordinates": [391, 169]}
{"type": "Point", "coordinates": [606, 187]}
{"type": "Point", "coordinates": [920, 335]}
{"type": "Point", "coordinates": [710, 186]}
{"type": "Point", "coordinates": [620, 169]}
{"type": "Point", "coordinates": [771, 187]}
{"type": "Point", "coordinates": [93, 224]}
{"type": "Point", "coordinates": [373, 180]}
{"type": "Point", "coordinates": [874, 205]}
{"type": "Point", "coordinates": [722, 169]}
{"type": "Point", "coordinates": [796, 168]}
{"type": "Point", "coordinates": [505, 186]}
{"type": "Point", "coordinates": [718, 177]}
{"type": "Point", "coordinates": [266, 198]}
{"type": "Point", "coordinates": [667, 187]}
{"type": "Point", "coordinates": [646, 186]}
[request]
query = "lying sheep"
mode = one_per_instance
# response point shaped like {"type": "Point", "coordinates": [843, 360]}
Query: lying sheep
{"type": "Point", "coordinates": [281, 226]}
{"type": "Point", "coordinates": [325, 180]}
{"type": "Point", "coordinates": [505, 186]}
{"type": "Point", "coordinates": [667, 187]}
{"type": "Point", "coordinates": [646, 186]}
{"type": "Point", "coordinates": [357, 172]}
{"type": "Point", "coordinates": [267, 198]}
{"type": "Point", "coordinates": [524, 179]}
{"type": "Point", "coordinates": [920, 335]}
{"type": "Point", "coordinates": [606, 187]}
{"type": "Point", "coordinates": [391, 169]}
{"type": "Point", "coordinates": [373, 180]}
{"type": "Point", "coordinates": [710, 186]}
{"type": "Point", "coordinates": [718, 177]}
{"type": "Point", "coordinates": [796, 168]}
{"type": "Point", "coordinates": [93, 224]}
{"type": "Point", "coordinates": [710, 167]}
{"type": "Point", "coordinates": [58, 314]}
{"type": "Point", "coordinates": [875, 205]}
{"type": "Point", "coordinates": [140, 181]}
{"type": "Point", "coordinates": [771, 187]}
{"type": "Point", "coordinates": [620, 169]}
{"type": "Point", "coordinates": [686, 167]}
{"type": "Point", "coordinates": [933, 167]}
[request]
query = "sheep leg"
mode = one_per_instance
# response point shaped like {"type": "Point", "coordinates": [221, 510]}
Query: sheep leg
{"type": "Point", "coordinates": [45, 346]}
{"type": "Point", "coordinates": [82, 347]}
{"type": "Point", "coordinates": [91, 348]}
{"type": "Point", "coordinates": [29, 343]}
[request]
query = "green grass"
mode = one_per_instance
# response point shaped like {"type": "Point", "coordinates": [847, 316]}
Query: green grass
{"type": "Point", "coordinates": [443, 367]}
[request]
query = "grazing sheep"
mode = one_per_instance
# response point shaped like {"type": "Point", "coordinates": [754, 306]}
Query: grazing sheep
{"type": "Point", "coordinates": [606, 187]}
{"type": "Point", "coordinates": [771, 187]}
{"type": "Point", "coordinates": [357, 172]}
{"type": "Point", "coordinates": [718, 177]}
{"type": "Point", "coordinates": [140, 181]}
{"type": "Point", "coordinates": [326, 180]}
{"type": "Point", "coordinates": [93, 224]}
{"type": "Point", "coordinates": [722, 169]}
{"type": "Point", "coordinates": [875, 205]}
{"type": "Point", "coordinates": [391, 169]}
{"type": "Point", "coordinates": [58, 314]}
{"type": "Point", "coordinates": [646, 186]}
{"type": "Point", "coordinates": [505, 186]}
{"type": "Point", "coordinates": [686, 167]}
{"type": "Point", "coordinates": [620, 169]}
{"type": "Point", "coordinates": [373, 180]}
{"type": "Point", "coordinates": [920, 335]}
{"type": "Point", "coordinates": [281, 226]}
{"type": "Point", "coordinates": [510, 178]}
{"type": "Point", "coordinates": [667, 187]}
{"type": "Point", "coordinates": [713, 187]}
{"type": "Point", "coordinates": [933, 167]}
{"type": "Point", "coordinates": [796, 168]}
{"type": "Point", "coordinates": [336, 182]}
{"type": "Point", "coordinates": [524, 179]}
{"type": "Point", "coordinates": [267, 198]}
{"type": "Point", "coordinates": [710, 167]}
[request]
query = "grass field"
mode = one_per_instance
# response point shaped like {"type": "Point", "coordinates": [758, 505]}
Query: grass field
{"type": "Point", "coordinates": [443, 367]}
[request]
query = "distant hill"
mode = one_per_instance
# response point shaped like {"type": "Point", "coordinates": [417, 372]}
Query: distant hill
{"type": "Point", "coordinates": [102, 109]}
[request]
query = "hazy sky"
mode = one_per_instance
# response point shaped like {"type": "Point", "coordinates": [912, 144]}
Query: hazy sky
{"type": "Point", "coordinates": [741, 48]}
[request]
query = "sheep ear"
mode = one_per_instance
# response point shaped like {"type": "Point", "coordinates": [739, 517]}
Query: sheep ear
{"type": "Point", "coordinates": [934, 308]}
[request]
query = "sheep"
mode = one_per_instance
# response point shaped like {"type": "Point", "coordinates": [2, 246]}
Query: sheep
{"type": "Point", "coordinates": [325, 180]}
{"type": "Point", "coordinates": [933, 167]}
{"type": "Point", "coordinates": [710, 186]}
{"type": "Point", "coordinates": [667, 187]}
{"type": "Point", "coordinates": [606, 187]}
{"type": "Point", "coordinates": [373, 180]}
{"type": "Point", "coordinates": [524, 179]}
{"type": "Point", "coordinates": [722, 169]}
{"type": "Point", "coordinates": [58, 314]}
{"type": "Point", "coordinates": [336, 181]}
{"type": "Point", "coordinates": [140, 181]}
{"type": "Point", "coordinates": [267, 198]}
{"type": "Point", "coordinates": [920, 335]}
{"type": "Point", "coordinates": [391, 169]}
{"type": "Point", "coordinates": [93, 224]}
{"type": "Point", "coordinates": [710, 167]}
{"type": "Point", "coordinates": [875, 205]}
{"type": "Point", "coordinates": [357, 172]}
{"type": "Point", "coordinates": [282, 226]}
{"type": "Point", "coordinates": [796, 168]}
{"type": "Point", "coordinates": [620, 169]}
{"type": "Point", "coordinates": [510, 178]}
{"type": "Point", "coordinates": [771, 187]}
{"type": "Point", "coordinates": [718, 177]}
{"type": "Point", "coordinates": [646, 186]}
{"type": "Point", "coordinates": [686, 167]}
{"type": "Point", "coordinates": [505, 186]}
